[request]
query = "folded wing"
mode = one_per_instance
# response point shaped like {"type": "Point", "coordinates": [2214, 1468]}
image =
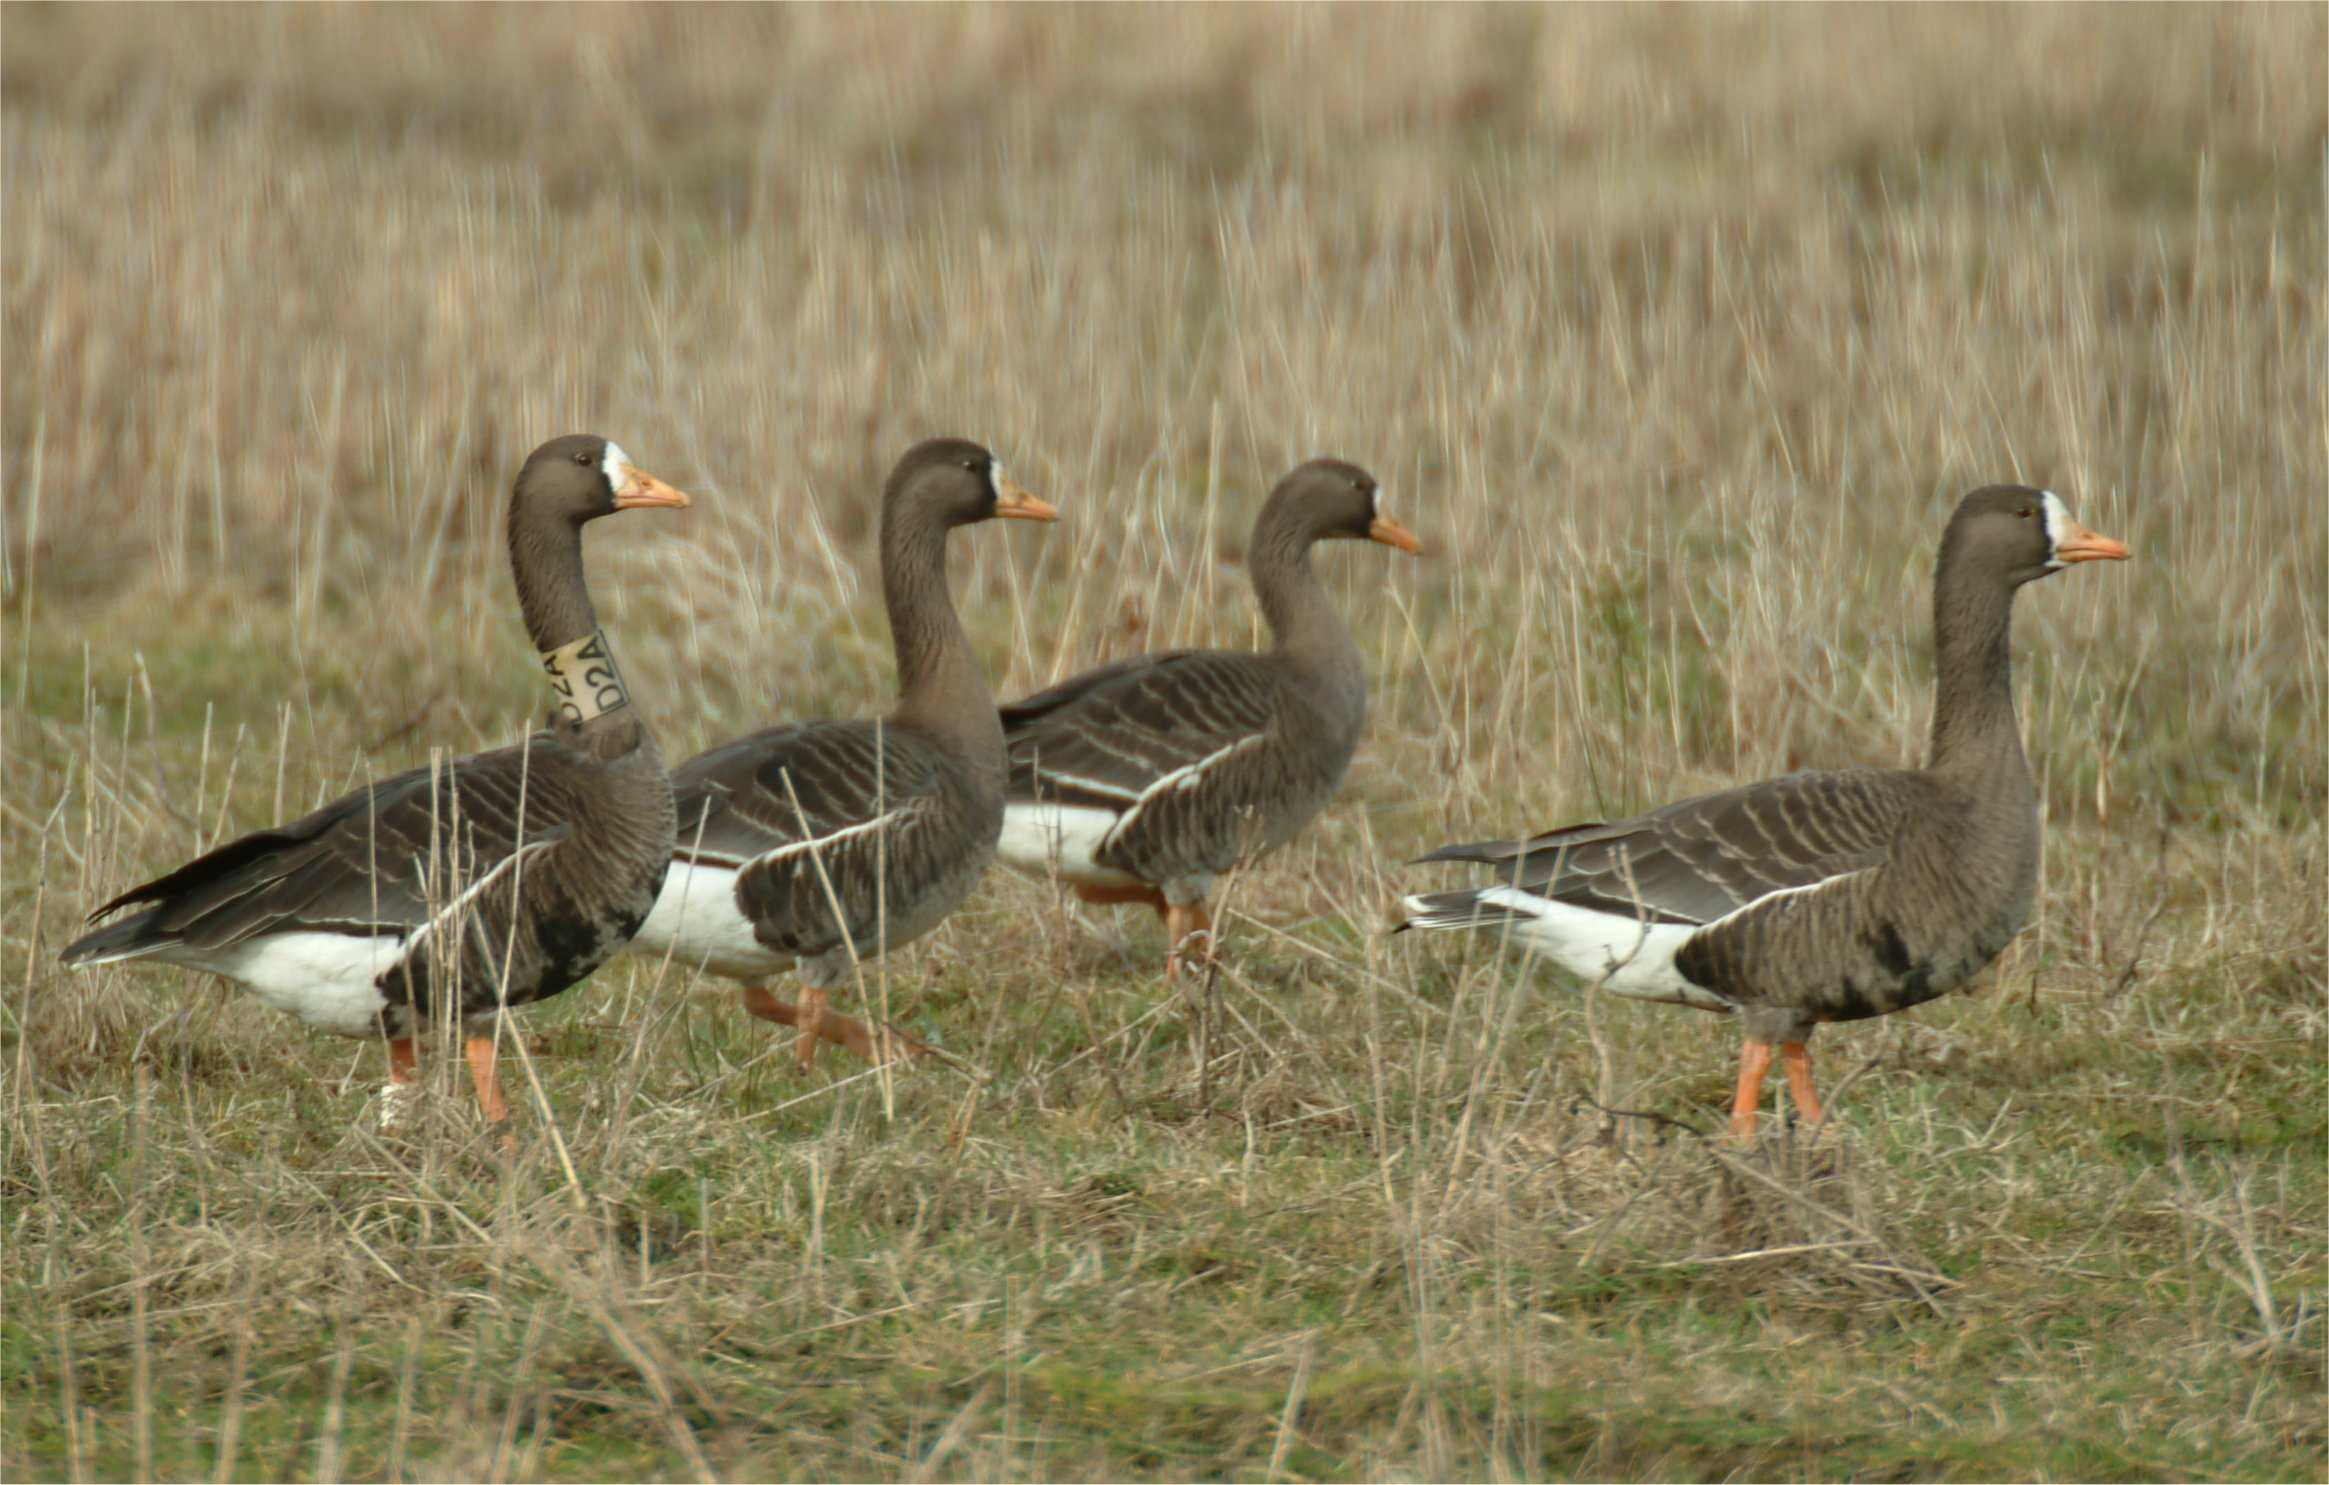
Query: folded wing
{"type": "Point", "coordinates": [1107, 737]}
{"type": "Point", "coordinates": [1697, 860]}
{"type": "Point", "coordinates": [830, 827]}
{"type": "Point", "coordinates": [383, 860]}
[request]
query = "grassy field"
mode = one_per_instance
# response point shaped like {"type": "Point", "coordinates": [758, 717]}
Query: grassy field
{"type": "Point", "coordinates": [1675, 333]}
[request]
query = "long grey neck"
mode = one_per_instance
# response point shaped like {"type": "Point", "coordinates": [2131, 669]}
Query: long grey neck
{"type": "Point", "coordinates": [941, 689]}
{"type": "Point", "coordinates": [1302, 621]}
{"type": "Point", "coordinates": [1974, 731]}
{"type": "Point", "coordinates": [545, 554]}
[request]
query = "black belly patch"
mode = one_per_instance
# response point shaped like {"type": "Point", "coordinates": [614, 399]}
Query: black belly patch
{"type": "Point", "coordinates": [1852, 1003]}
{"type": "Point", "coordinates": [404, 990]}
{"type": "Point", "coordinates": [1892, 951]}
{"type": "Point", "coordinates": [570, 949]}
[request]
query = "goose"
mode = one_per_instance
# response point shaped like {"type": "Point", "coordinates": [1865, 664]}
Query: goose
{"type": "Point", "coordinates": [815, 845]}
{"type": "Point", "coordinates": [1146, 780]}
{"type": "Point", "coordinates": [1831, 896]}
{"type": "Point", "coordinates": [465, 886]}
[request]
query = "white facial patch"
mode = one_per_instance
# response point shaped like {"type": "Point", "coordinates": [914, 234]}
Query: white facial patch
{"type": "Point", "coordinates": [2058, 525]}
{"type": "Point", "coordinates": [616, 466]}
{"type": "Point", "coordinates": [1375, 502]}
{"type": "Point", "coordinates": [996, 479]}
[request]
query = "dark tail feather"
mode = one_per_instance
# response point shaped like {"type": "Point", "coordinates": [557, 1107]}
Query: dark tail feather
{"type": "Point", "coordinates": [127, 939]}
{"type": "Point", "coordinates": [1500, 852]}
{"type": "Point", "coordinates": [1486, 852]}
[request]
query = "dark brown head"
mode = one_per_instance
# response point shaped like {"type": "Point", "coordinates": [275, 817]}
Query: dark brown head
{"type": "Point", "coordinates": [953, 482]}
{"type": "Point", "coordinates": [1328, 498]}
{"type": "Point", "coordinates": [2020, 535]}
{"type": "Point", "coordinates": [581, 477]}
{"type": "Point", "coordinates": [565, 483]}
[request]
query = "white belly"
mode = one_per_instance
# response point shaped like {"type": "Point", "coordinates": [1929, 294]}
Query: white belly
{"type": "Point", "coordinates": [1043, 839]}
{"type": "Point", "coordinates": [696, 922]}
{"type": "Point", "coordinates": [325, 979]}
{"type": "Point", "coordinates": [1629, 957]}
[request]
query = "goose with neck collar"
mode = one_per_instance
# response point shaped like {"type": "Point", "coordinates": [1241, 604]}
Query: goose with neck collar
{"type": "Point", "coordinates": [1818, 896]}
{"type": "Point", "coordinates": [452, 891]}
{"type": "Point", "coordinates": [818, 845]}
{"type": "Point", "coordinates": [1146, 780]}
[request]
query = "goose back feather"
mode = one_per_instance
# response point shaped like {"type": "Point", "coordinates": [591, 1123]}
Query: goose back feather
{"type": "Point", "coordinates": [829, 838]}
{"type": "Point", "coordinates": [1690, 903]}
{"type": "Point", "coordinates": [1702, 858]}
{"type": "Point", "coordinates": [1198, 759]}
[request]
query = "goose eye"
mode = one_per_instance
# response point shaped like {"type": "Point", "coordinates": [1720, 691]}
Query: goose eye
{"type": "Point", "coordinates": [582, 458]}
{"type": "Point", "coordinates": [2025, 512]}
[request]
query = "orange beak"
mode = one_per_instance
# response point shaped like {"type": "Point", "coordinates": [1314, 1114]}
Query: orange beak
{"type": "Point", "coordinates": [2081, 545]}
{"type": "Point", "coordinates": [1391, 534]}
{"type": "Point", "coordinates": [1015, 504]}
{"type": "Point", "coordinates": [644, 491]}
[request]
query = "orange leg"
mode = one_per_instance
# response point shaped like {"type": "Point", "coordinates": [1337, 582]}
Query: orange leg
{"type": "Point", "coordinates": [1754, 1062]}
{"type": "Point", "coordinates": [1182, 925]}
{"type": "Point", "coordinates": [888, 1044]}
{"type": "Point", "coordinates": [1796, 1058]}
{"type": "Point", "coordinates": [482, 1055]}
{"type": "Point", "coordinates": [404, 1061]}
{"type": "Point", "coordinates": [768, 1008]}
{"type": "Point", "coordinates": [831, 1026]}
{"type": "Point", "coordinates": [809, 1016]}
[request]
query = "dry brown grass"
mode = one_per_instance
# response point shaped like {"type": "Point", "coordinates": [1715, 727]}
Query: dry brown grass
{"type": "Point", "coordinates": [1673, 331]}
